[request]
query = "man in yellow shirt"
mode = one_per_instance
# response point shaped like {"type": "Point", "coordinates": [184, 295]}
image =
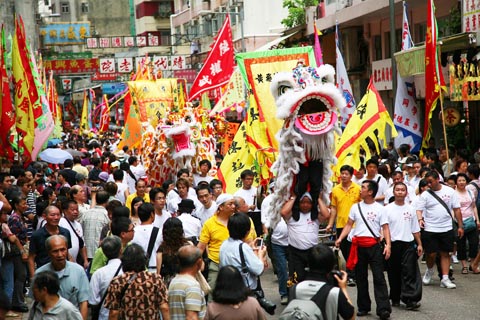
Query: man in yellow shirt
{"type": "Point", "coordinates": [214, 232]}
{"type": "Point", "coordinates": [141, 191]}
{"type": "Point", "coordinates": [344, 196]}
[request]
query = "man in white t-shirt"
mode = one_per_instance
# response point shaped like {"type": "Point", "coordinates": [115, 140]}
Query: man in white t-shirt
{"type": "Point", "coordinates": [366, 250]}
{"type": "Point", "coordinates": [144, 231]}
{"type": "Point", "coordinates": [403, 271]}
{"type": "Point", "coordinates": [372, 174]}
{"type": "Point", "coordinates": [247, 192]}
{"type": "Point", "coordinates": [438, 235]}
{"type": "Point", "coordinates": [202, 174]}
{"type": "Point", "coordinates": [122, 188]}
{"type": "Point", "coordinates": [158, 200]}
{"type": "Point", "coordinates": [68, 221]}
{"type": "Point", "coordinates": [207, 206]}
{"type": "Point", "coordinates": [397, 176]}
{"type": "Point", "coordinates": [191, 225]}
{"type": "Point", "coordinates": [302, 233]}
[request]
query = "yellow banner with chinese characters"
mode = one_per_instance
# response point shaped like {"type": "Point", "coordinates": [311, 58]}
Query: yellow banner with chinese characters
{"type": "Point", "coordinates": [256, 145]}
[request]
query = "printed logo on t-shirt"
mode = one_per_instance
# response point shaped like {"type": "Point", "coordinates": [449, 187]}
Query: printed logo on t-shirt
{"type": "Point", "coordinates": [407, 216]}
{"type": "Point", "coordinates": [446, 198]}
{"type": "Point", "coordinates": [371, 216]}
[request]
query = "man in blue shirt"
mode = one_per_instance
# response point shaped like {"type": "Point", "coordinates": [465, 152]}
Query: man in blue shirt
{"type": "Point", "coordinates": [74, 285]}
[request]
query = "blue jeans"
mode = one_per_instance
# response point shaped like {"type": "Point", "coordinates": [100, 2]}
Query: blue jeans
{"type": "Point", "coordinates": [7, 277]}
{"type": "Point", "coordinates": [280, 257]}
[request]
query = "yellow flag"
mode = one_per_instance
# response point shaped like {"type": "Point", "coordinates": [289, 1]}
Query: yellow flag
{"type": "Point", "coordinates": [84, 119]}
{"type": "Point", "coordinates": [369, 120]}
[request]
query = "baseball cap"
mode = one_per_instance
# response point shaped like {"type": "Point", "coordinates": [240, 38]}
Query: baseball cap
{"type": "Point", "coordinates": [103, 176]}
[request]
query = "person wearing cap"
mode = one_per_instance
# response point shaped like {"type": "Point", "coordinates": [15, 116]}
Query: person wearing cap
{"type": "Point", "coordinates": [303, 230]}
{"type": "Point", "coordinates": [214, 232]}
{"type": "Point", "coordinates": [191, 225]}
{"type": "Point", "coordinates": [103, 177]}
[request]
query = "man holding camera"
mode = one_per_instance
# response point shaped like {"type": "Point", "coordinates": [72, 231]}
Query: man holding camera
{"type": "Point", "coordinates": [338, 303]}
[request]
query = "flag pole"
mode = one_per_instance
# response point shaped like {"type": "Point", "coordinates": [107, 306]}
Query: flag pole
{"type": "Point", "coordinates": [443, 115]}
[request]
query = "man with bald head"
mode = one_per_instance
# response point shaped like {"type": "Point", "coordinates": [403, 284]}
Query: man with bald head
{"type": "Point", "coordinates": [73, 280]}
{"type": "Point", "coordinates": [186, 300]}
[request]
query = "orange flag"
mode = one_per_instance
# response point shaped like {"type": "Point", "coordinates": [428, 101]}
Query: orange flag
{"type": "Point", "coordinates": [132, 132]}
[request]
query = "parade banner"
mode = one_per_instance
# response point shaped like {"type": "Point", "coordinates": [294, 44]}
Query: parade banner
{"type": "Point", "coordinates": [343, 84]}
{"type": "Point", "coordinates": [84, 118]}
{"type": "Point", "coordinates": [433, 77]}
{"type": "Point", "coordinates": [254, 146]}
{"type": "Point", "coordinates": [34, 121]}
{"type": "Point", "coordinates": [464, 82]}
{"type": "Point", "coordinates": [317, 48]}
{"type": "Point", "coordinates": [234, 95]}
{"type": "Point", "coordinates": [104, 116]}
{"type": "Point", "coordinates": [218, 66]}
{"type": "Point", "coordinates": [406, 116]}
{"type": "Point", "coordinates": [7, 129]}
{"type": "Point", "coordinates": [368, 121]}
{"type": "Point", "coordinates": [232, 129]}
{"type": "Point", "coordinates": [154, 98]}
{"type": "Point", "coordinates": [132, 132]}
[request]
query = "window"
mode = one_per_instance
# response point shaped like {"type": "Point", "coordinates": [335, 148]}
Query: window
{"type": "Point", "coordinates": [65, 7]}
{"type": "Point", "coordinates": [84, 7]}
{"type": "Point", "coordinates": [386, 39]}
{"type": "Point", "coordinates": [420, 30]}
{"type": "Point", "coordinates": [165, 37]}
{"type": "Point", "coordinates": [377, 47]}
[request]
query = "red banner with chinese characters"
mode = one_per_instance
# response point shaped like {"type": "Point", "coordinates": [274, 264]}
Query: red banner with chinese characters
{"type": "Point", "coordinates": [72, 65]}
{"type": "Point", "coordinates": [219, 64]}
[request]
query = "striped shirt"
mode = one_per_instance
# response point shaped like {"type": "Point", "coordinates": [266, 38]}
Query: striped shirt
{"type": "Point", "coordinates": [184, 294]}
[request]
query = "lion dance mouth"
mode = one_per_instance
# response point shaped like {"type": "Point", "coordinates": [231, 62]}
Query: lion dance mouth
{"type": "Point", "coordinates": [314, 117]}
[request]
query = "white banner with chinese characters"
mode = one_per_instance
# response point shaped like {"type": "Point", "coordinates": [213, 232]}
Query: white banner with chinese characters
{"type": "Point", "coordinates": [382, 74]}
{"type": "Point", "coordinates": [125, 65]}
{"type": "Point", "coordinates": [471, 16]}
{"type": "Point", "coordinates": [107, 65]}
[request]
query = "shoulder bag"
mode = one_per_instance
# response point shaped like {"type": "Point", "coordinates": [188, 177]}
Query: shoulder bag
{"type": "Point", "coordinates": [454, 223]}
{"type": "Point", "coordinates": [95, 309]}
{"type": "Point", "coordinates": [382, 243]}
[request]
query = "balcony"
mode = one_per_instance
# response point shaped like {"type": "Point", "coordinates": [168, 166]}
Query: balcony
{"type": "Point", "coordinates": [189, 13]}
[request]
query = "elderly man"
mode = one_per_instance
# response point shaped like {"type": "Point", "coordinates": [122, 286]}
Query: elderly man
{"type": "Point", "coordinates": [214, 232]}
{"type": "Point", "coordinates": [73, 280]}
{"type": "Point", "coordinates": [141, 191]}
{"type": "Point", "coordinates": [49, 304]}
{"type": "Point", "coordinates": [185, 297]}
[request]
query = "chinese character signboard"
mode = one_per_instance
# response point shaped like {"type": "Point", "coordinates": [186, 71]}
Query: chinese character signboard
{"type": "Point", "coordinates": [471, 16]}
{"type": "Point", "coordinates": [382, 74]}
{"type": "Point", "coordinates": [160, 62]}
{"type": "Point", "coordinates": [65, 33]}
{"type": "Point", "coordinates": [107, 65]}
{"type": "Point", "coordinates": [125, 65]}
{"type": "Point", "coordinates": [464, 82]}
{"type": "Point", "coordinates": [451, 117]}
{"type": "Point", "coordinates": [72, 65]}
{"type": "Point", "coordinates": [178, 62]}
{"type": "Point", "coordinates": [66, 84]}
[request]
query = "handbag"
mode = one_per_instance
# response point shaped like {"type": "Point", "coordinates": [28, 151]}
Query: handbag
{"type": "Point", "coordinates": [382, 242]}
{"type": "Point", "coordinates": [469, 224]}
{"type": "Point", "coordinates": [203, 283]}
{"type": "Point", "coordinates": [454, 223]}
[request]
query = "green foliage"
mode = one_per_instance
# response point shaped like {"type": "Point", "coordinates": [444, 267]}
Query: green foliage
{"type": "Point", "coordinates": [296, 11]}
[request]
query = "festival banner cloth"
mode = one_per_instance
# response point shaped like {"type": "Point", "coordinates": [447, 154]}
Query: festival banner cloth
{"type": "Point", "coordinates": [406, 117]}
{"type": "Point", "coordinates": [433, 77]}
{"type": "Point", "coordinates": [368, 121]}
{"type": "Point", "coordinates": [218, 66]}
{"type": "Point", "coordinates": [343, 84]}
{"type": "Point", "coordinates": [254, 146]}
{"type": "Point", "coordinates": [33, 117]}
{"type": "Point", "coordinates": [7, 129]}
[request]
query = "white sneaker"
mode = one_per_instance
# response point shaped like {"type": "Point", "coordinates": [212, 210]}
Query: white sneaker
{"type": "Point", "coordinates": [455, 259]}
{"type": "Point", "coordinates": [427, 278]}
{"type": "Point", "coordinates": [446, 283]}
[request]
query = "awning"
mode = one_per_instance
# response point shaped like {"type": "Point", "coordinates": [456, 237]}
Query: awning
{"type": "Point", "coordinates": [275, 42]}
{"type": "Point", "coordinates": [412, 61]}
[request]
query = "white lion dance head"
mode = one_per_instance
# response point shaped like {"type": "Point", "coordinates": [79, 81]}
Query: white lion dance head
{"type": "Point", "coordinates": [308, 100]}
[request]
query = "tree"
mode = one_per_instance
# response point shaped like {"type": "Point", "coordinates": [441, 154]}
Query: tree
{"type": "Point", "coordinates": [296, 11]}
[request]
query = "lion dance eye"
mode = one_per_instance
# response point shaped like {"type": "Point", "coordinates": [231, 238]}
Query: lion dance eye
{"type": "Point", "coordinates": [283, 89]}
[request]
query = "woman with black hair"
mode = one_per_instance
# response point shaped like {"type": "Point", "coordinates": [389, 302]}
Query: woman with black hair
{"type": "Point", "coordinates": [167, 254]}
{"type": "Point", "coordinates": [136, 203]}
{"type": "Point", "coordinates": [231, 298]}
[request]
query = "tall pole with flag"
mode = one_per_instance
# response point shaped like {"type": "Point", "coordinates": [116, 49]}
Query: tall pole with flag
{"type": "Point", "coordinates": [406, 117]}
{"type": "Point", "coordinates": [343, 84]}
{"type": "Point", "coordinates": [7, 129]}
{"type": "Point", "coordinates": [219, 64]}
{"type": "Point", "coordinates": [433, 75]}
{"type": "Point", "coordinates": [317, 48]}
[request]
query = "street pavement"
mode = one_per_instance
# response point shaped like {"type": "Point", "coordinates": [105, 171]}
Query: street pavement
{"type": "Point", "coordinates": [437, 303]}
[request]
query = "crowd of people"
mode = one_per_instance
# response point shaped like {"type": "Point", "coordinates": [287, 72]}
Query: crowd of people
{"type": "Point", "coordinates": [92, 237]}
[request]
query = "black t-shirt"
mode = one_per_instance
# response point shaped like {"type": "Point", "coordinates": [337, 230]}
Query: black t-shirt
{"type": "Point", "coordinates": [37, 244]}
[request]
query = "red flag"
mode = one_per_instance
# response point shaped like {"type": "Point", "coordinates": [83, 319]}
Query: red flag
{"type": "Point", "coordinates": [317, 49]}
{"type": "Point", "coordinates": [219, 64]}
{"type": "Point", "coordinates": [105, 116]}
{"type": "Point", "coordinates": [433, 76]}
{"type": "Point", "coordinates": [6, 105]}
